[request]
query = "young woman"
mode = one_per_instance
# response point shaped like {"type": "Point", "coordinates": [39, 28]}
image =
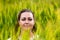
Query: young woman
{"type": "Point", "coordinates": [26, 21]}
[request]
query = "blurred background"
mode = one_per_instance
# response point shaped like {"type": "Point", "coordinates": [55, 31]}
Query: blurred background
{"type": "Point", "coordinates": [46, 12]}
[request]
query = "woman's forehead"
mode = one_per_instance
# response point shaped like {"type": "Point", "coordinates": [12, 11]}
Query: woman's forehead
{"type": "Point", "coordinates": [26, 14]}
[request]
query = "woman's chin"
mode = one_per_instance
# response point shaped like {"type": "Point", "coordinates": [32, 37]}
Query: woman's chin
{"type": "Point", "coordinates": [26, 28]}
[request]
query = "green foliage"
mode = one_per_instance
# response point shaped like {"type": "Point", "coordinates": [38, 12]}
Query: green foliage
{"type": "Point", "coordinates": [47, 16]}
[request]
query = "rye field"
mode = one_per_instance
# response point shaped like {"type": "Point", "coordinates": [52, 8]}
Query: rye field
{"type": "Point", "coordinates": [46, 13]}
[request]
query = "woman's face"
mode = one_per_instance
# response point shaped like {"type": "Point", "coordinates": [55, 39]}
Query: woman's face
{"type": "Point", "coordinates": [26, 21]}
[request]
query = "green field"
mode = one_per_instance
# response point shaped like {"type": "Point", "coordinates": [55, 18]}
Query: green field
{"type": "Point", "coordinates": [46, 12]}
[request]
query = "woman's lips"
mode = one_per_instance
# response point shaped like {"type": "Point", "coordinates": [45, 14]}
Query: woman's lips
{"type": "Point", "coordinates": [26, 25]}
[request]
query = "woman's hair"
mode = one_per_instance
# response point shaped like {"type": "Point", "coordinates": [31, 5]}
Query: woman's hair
{"type": "Point", "coordinates": [18, 19]}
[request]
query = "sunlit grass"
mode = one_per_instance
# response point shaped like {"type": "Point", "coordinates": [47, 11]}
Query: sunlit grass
{"type": "Point", "coordinates": [47, 17]}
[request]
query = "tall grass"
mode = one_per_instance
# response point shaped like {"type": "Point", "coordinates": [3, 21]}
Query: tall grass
{"type": "Point", "coordinates": [47, 16]}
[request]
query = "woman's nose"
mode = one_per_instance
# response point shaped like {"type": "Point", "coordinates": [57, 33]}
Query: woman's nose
{"type": "Point", "coordinates": [26, 22]}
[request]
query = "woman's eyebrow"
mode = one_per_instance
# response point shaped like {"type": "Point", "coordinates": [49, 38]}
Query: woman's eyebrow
{"type": "Point", "coordinates": [29, 17]}
{"type": "Point", "coordinates": [23, 17]}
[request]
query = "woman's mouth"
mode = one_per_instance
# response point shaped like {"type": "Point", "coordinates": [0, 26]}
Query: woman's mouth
{"type": "Point", "coordinates": [26, 25]}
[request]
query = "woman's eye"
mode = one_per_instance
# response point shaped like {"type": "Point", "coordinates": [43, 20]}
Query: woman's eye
{"type": "Point", "coordinates": [23, 19]}
{"type": "Point", "coordinates": [30, 19]}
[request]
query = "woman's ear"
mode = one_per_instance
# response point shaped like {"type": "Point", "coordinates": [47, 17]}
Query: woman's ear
{"type": "Point", "coordinates": [34, 22]}
{"type": "Point", "coordinates": [19, 22]}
